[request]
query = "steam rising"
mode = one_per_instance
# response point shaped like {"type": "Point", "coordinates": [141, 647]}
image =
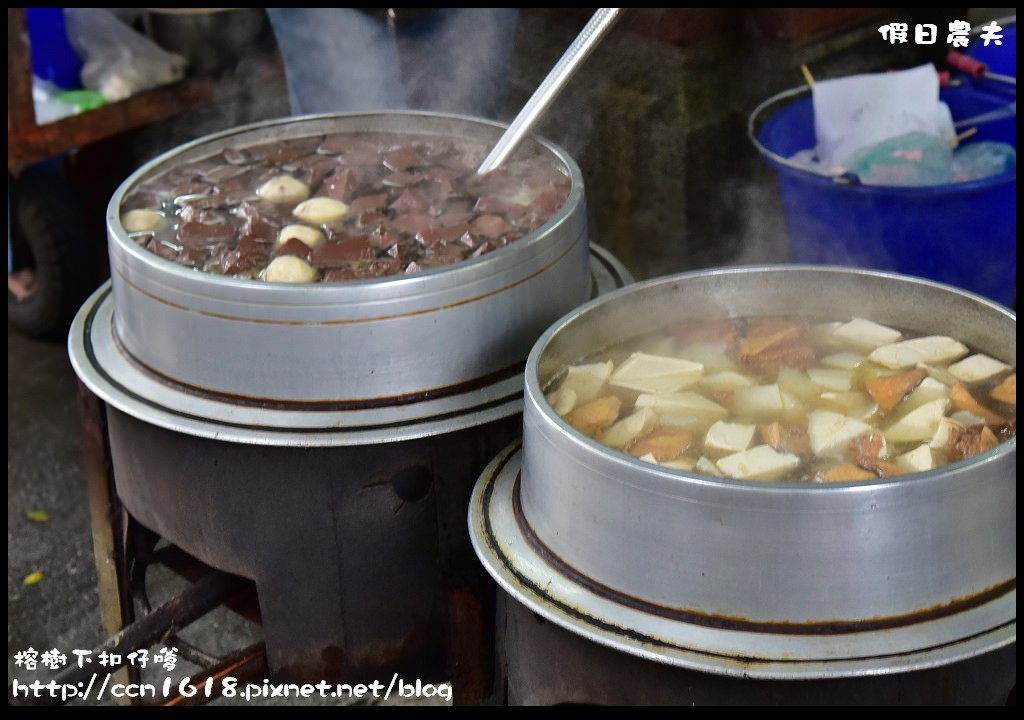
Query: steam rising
{"type": "Point", "coordinates": [451, 60]}
{"type": "Point", "coordinates": [656, 117]}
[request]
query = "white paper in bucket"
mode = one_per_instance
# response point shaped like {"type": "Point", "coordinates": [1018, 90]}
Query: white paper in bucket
{"type": "Point", "coordinates": [861, 110]}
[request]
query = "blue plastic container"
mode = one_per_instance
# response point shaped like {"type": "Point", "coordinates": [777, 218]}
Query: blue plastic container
{"type": "Point", "coordinates": [53, 58]}
{"type": "Point", "coordinates": [962, 234]}
{"type": "Point", "coordinates": [1001, 59]}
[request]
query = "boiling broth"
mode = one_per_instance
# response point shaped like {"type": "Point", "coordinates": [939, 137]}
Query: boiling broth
{"type": "Point", "coordinates": [783, 398]}
{"type": "Point", "coordinates": [343, 206]}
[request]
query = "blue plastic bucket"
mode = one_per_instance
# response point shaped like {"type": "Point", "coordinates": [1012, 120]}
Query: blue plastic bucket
{"type": "Point", "coordinates": [53, 58]}
{"type": "Point", "coordinates": [962, 234]}
{"type": "Point", "coordinates": [1000, 59]}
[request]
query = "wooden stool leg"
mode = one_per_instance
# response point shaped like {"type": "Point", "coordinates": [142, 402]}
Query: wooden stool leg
{"type": "Point", "coordinates": [107, 520]}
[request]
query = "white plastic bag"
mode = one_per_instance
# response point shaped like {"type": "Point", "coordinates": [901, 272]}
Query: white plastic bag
{"type": "Point", "coordinates": [861, 110]}
{"type": "Point", "coordinates": [118, 61]}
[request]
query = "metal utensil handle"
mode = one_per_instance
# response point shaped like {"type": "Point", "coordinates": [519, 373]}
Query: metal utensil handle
{"type": "Point", "coordinates": [548, 90]}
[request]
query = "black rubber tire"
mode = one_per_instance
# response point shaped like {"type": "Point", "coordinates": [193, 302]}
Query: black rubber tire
{"type": "Point", "coordinates": [49, 234]}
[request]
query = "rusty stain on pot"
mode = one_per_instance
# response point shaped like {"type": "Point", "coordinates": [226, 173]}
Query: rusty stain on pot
{"type": "Point", "coordinates": [653, 642]}
{"type": "Point", "coordinates": [725, 622]}
{"type": "Point", "coordinates": [460, 303]}
{"type": "Point", "coordinates": [538, 591]}
{"type": "Point", "coordinates": [320, 405]}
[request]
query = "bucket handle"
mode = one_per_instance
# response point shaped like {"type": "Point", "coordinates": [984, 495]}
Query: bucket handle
{"type": "Point", "coordinates": [844, 178]}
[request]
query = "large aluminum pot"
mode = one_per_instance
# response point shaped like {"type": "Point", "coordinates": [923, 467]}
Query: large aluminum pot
{"type": "Point", "coordinates": [770, 557]}
{"type": "Point", "coordinates": [359, 344]}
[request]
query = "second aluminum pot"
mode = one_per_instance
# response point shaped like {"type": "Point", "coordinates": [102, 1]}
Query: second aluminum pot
{"type": "Point", "coordinates": [770, 557]}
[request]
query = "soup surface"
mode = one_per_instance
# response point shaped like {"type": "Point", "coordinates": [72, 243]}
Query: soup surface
{"type": "Point", "coordinates": [783, 398]}
{"type": "Point", "coordinates": [343, 206]}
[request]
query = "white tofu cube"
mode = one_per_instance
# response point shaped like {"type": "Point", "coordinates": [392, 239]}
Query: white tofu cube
{"type": "Point", "coordinates": [729, 437]}
{"type": "Point", "coordinates": [688, 404]}
{"type": "Point", "coordinates": [977, 368]}
{"type": "Point", "coordinates": [928, 390]}
{"type": "Point", "coordinates": [680, 463]}
{"type": "Point", "coordinates": [697, 425]}
{"type": "Point", "coordinates": [830, 433]}
{"type": "Point", "coordinates": [866, 334]}
{"type": "Point", "coordinates": [834, 380]}
{"type": "Point", "coordinates": [796, 383]}
{"type": "Point", "coordinates": [705, 466]}
{"type": "Point", "coordinates": [563, 400]}
{"type": "Point", "coordinates": [917, 460]}
{"type": "Point", "coordinates": [966, 418]}
{"type": "Point", "coordinates": [843, 361]}
{"type": "Point", "coordinates": [908, 353]}
{"type": "Point", "coordinates": [939, 374]}
{"type": "Point", "coordinates": [940, 439]}
{"type": "Point", "coordinates": [713, 356]}
{"type": "Point", "coordinates": [792, 407]}
{"type": "Point", "coordinates": [649, 457]}
{"type": "Point", "coordinates": [855, 404]}
{"type": "Point", "coordinates": [725, 381]}
{"type": "Point", "coordinates": [655, 373]}
{"type": "Point", "coordinates": [758, 401]}
{"type": "Point", "coordinates": [918, 425]}
{"type": "Point", "coordinates": [587, 381]}
{"type": "Point", "coordinates": [759, 463]}
{"type": "Point", "coordinates": [664, 346]}
{"type": "Point", "coordinates": [628, 428]}
{"type": "Point", "coordinates": [823, 335]}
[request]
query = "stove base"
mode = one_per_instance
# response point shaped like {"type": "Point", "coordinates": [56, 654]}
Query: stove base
{"type": "Point", "coordinates": [542, 664]}
{"type": "Point", "coordinates": [361, 556]}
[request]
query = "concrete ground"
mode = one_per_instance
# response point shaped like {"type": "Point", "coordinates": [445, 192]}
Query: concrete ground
{"type": "Point", "coordinates": [44, 475]}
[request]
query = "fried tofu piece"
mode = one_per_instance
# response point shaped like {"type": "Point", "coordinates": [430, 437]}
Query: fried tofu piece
{"type": "Point", "coordinates": [785, 437]}
{"type": "Point", "coordinates": [774, 341]}
{"type": "Point", "coordinates": [593, 417]}
{"type": "Point", "coordinates": [867, 451]}
{"type": "Point", "coordinates": [970, 441]}
{"type": "Point", "coordinates": [843, 473]}
{"type": "Point", "coordinates": [889, 391]}
{"type": "Point", "coordinates": [663, 443]}
{"type": "Point", "coordinates": [962, 399]}
{"type": "Point", "coordinates": [1006, 391]}
{"type": "Point", "coordinates": [759, 343]}
{"type": "Point", "coordinates": [769, 361]}
{"type": "Point", "coordinates": [765, 325]}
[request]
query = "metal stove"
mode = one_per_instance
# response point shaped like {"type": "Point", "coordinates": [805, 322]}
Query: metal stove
{"type": "Point", "coordinates": [350, 523]}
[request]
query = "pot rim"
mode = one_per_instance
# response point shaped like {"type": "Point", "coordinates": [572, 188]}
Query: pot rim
{"type": "Point", "coordinates": [493, 263]}
{"type": "Point", "coordinates": [661, 479]}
